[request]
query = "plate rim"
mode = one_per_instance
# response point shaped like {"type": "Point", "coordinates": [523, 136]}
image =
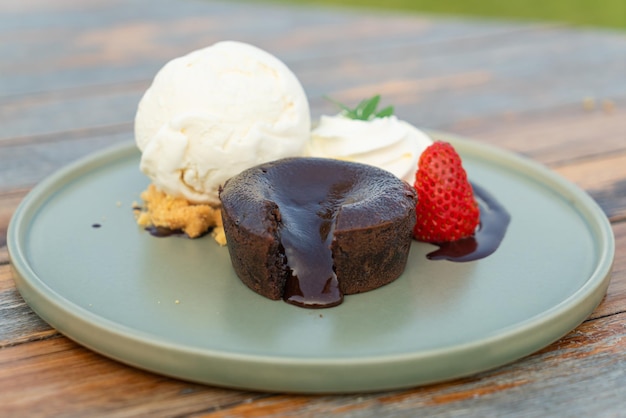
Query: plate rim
{"type": "Point", "coordinates": [50, 305]}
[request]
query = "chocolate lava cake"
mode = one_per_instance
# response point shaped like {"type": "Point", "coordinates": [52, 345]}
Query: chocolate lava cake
{"type": "Point", "coordinates": [310, 230]}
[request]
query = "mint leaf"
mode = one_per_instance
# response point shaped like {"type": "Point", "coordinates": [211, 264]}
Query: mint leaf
{"type": "Point", "coordinates": [365, 110]}
{"type": "Point", "coordinates": [388, 111]}
{"type": "Point", "coordinates": [369, 107]}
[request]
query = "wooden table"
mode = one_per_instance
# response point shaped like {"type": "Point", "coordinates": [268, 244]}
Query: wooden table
{"type": "Point", "coordinates": [72, 72]}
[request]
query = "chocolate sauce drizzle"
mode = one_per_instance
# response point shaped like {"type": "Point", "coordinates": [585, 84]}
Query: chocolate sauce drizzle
{"type": "Point", "coordinates": [494, 220]}
{"type": "Point", "coordinates": [306, 235]}
{"type": "Point", "coordinates": [162, 232]}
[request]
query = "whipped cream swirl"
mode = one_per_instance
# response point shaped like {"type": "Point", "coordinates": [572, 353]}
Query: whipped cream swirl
{"type": "Point", "coordinates": [388, 143]}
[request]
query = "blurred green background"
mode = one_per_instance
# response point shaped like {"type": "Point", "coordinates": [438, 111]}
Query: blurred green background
{"type": "Point", "coordinates": [598, 13]}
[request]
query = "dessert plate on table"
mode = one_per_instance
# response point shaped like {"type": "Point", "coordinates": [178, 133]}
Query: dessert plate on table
{"type": "Point", "coordinates": [174, 306]}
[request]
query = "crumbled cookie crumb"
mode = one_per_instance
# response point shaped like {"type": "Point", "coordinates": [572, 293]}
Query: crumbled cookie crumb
{"type": "Point", "coordinates": [176, 213]}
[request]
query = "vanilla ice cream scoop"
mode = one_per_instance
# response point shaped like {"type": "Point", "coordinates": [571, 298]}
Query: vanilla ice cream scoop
{"type": "Point", "coordinates": [213, 113]}
{"type": "Point", "coordinates": [387, 142]}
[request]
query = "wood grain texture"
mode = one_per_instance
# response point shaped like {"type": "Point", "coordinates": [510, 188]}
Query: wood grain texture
{"type": "Point", "coordinates": [590, 128]}
{"type": "Point", "coordinates": [615, 300]}
{"type": "Point", "coordinates": [33, 386]}
{"type": "Point", "coordinates": [4, 255]}
{"type": "Point", "coordinates": [25, 164]}
{"type": "Point", "coordinates": [518, 390]}
{"type": "Point", "coordinates": [539, 385]}
{"type": "Point", "coordinates": [8, 203]}
{"type": "Point", "coordinates": [73, 72]}
{"type": "Point", "coordinates": [435, 63]}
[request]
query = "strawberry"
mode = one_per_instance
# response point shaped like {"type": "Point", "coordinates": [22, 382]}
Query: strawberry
{"type": "Point", "coordinates": [446, 208]}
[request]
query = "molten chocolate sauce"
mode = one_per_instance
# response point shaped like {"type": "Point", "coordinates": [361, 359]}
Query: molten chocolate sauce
{"type": "Point", "coordinates": [308, 223]}
{"type": "Point", "coordinates": [494, 220]}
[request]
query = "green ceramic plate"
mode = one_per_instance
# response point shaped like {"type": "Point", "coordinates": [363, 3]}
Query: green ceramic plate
{"type": "Point", "coordinates": [175, 307]}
